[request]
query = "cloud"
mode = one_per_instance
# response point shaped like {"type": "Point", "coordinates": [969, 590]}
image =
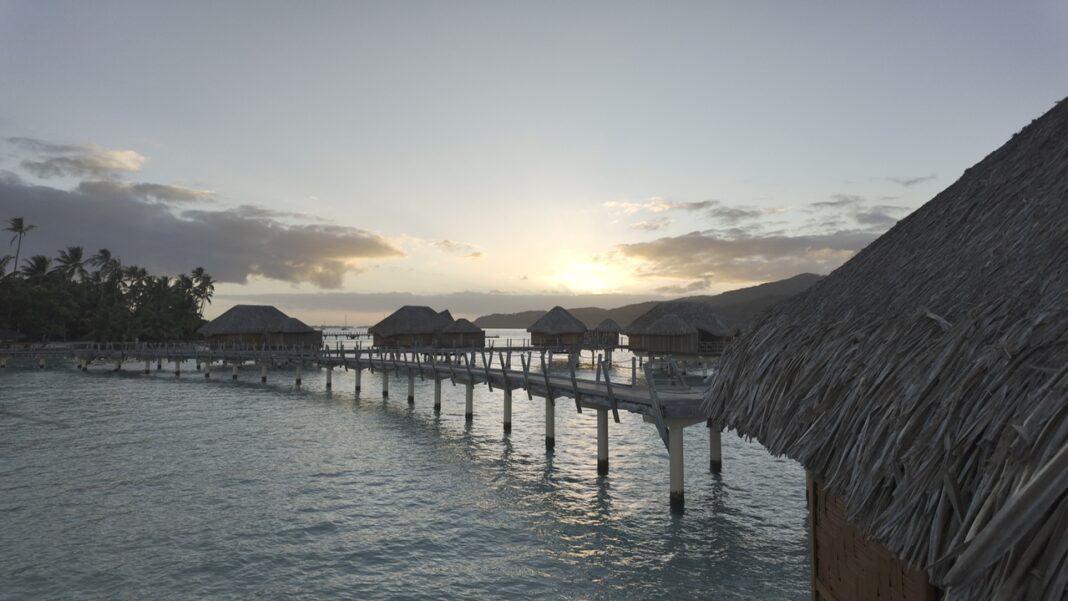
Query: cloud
{"type": "Point", "coordinates": [694, 286]}
{"type": "Point", "coordinates": [229, 243]}
{"type": "Point", "coordinates": [733, 215]}
{"type": "Point", "coordinates": [658, 205]}
{"type": "Point", "coordinates": [152, 192]}
{"type": "Point", "coordinates": [741, 255]}
{"type": "Point", "coordinates": [651, 225]}
{"type": "Point", "coordinates": [908, 182]}
{"type": "Point", "coordinates": [76, 160]}
{"type": "Point", "coordinates": [839, 201]}
{"type": "Point", "coordinates": [879, 216]}
{"type": "Point", "coordinates": [469, 251]}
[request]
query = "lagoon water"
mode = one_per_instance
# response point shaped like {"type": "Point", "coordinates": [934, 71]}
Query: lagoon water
{"type": "Point", "coordinates": [126, 486]}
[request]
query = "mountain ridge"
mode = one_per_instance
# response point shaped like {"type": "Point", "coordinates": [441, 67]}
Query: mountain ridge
{"type": "Point", "coordinates": [738, 306]}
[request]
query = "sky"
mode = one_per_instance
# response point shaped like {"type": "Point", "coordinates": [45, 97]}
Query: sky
{"type": "Point", "coordinates": [335, 158]}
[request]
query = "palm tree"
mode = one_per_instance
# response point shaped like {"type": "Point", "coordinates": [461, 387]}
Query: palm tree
{"type": "Point", "coordinates": [20, 228]}
{"type": "Point", "coordinates": [4, 261]}
{"type": "Point", "coordinates": [205, 287]}
{"type": "Point", "coordinates": [37, 266]}
{"type": "Point", "coordinates": [72, 263]}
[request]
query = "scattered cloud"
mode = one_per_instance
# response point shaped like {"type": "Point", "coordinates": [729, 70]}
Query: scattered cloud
{"type": "Point", "coordinates": [741, 255]}
{"type": "Point", "coordinates": [879, 216]}
{"type": "Point", "coordinates": [658, 205]}
{"type": "Point", "coordinates": [469, 251]}
{"type": "Point", "coordinates": [839, 201]}
{"type": "Point", "coordinates": [229, 243]}
{"type": "Point", "coordinates": [733, 215]}
{"type": "Point", "coordinates": [651, 225]}
{"type": "Point", "coordinates": [149, 192]}
{"type": "Point", "coordinates": [908, 182]}
{"type": "Point", "coordinates": [50, 160]}
{"type": "Point", "coordinates": [695, 286]}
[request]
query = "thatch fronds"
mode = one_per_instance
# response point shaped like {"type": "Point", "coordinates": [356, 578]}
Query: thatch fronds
{"type": "Point", "coordinates": [557, 322]}
{"type": "Point", "coordinates": [698, 315]}
{"type": "Point", "coordinates": [608, 326]}
{"type": "Point", "coordinates": [412, 319]}
{"type": "Point", "coordinates": [461, 326]}
{"type": "Point", "coordinates": [254, 319]}
{"type": "Point", "coordinates": [926, 380]}
{"type": "Point", "coordinates": [670, 325]}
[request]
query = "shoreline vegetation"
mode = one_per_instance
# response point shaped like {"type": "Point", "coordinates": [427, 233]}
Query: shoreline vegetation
{"type": "Point", "coordinates": [76, 297]}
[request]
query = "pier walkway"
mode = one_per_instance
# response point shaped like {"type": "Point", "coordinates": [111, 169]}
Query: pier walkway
{"type": "Point", "coordinates": [671, 407]}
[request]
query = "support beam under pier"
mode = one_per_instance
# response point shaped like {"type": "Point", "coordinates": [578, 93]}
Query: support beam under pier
{"type": "Point", "coordinates": [602, 442]}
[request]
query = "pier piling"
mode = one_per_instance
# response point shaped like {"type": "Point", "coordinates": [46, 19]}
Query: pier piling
{"type": "Point", "coordinates": [507, 408]}
{"type": "Point", "coordinates": [263, 372]}
{"type": "Point", "coordinates": [602, 442]}
{"type": "Point", "coordinates": [233, 376]}
{"type": "Point", "coordinates": [469, 401]}
{"type": "Point", "coordinates": [715, 448]}
{"type": "Point", "coordinates": [550, 424]}
{"type": "Point", "coordinates": [678, 497]}
{"type": "Point", "coordinates": [411, 387]}
{"type": "Point", "coordinates": [329, 377]}
{"type": "Point", "coordinates": [437, 394]}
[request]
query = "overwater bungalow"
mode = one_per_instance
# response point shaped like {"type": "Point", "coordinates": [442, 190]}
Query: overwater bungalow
{"type": "Point", "coordinates": [695, 329]}
{"type": "Point", "coordinates": [923, 387]}
{"type": "Point", "coordinates": [557, 328]}
{"type": "Point", "coordinates": [606, 334]}
{"type": "Point", "coordinates": [260, 325]}
{"type": "Point", "coordinates": [462, 334]}
{"type": "Point", "coordinates": [411, 326]}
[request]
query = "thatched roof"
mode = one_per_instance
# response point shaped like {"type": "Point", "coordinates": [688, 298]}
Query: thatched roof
{"type": "Point", "coordinates": [556, 322]}
{"type": "Point", "coordinates": [608, 326]}
{"type": "Point", "coordinates": [925, 383]}
{"type": "Point", "coordinates": [670, 325]}
{"type": "Point", "coordinates": [254, 319]}
{"type": "Point", "coordinates": [412, 319]}
{"type": "Point", "coordinates": [698, 315]}
{"type": "Point", "coordinates": [461, 326]}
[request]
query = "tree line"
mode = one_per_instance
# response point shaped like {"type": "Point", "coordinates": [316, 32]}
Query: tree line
{"type": "Point", "coordinates": [76, 297]}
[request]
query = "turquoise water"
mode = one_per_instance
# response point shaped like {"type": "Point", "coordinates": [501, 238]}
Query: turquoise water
{"type": "Point", "coordinates": [121, 485]}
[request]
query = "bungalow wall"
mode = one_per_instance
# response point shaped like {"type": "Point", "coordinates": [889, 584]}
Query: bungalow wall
{"type": "Point", "coordinates": [406, 340]}
{"type": "Point", "coordinates": [682, 343]}
{"type": "Point", "coordinates": [609, 339]}
{"type": "Point", "coordinates": [463, 340]}
{"type": "Point", "coordinates": [847, 566]}
{"type": "Point", "coordinates": [555, 340]}
{"type": "Point", "coordinates": [287, 339]}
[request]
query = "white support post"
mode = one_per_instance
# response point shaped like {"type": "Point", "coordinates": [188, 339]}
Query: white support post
{"type": "Point", "coordinates": [118, 365]}
{"type": "Point", "coordinates": [678, 498]}
{"type": "Point", "coordinates": [507, 408]}
{"type": "Point", "coordinates": [177, 367]}
{"type": "Point", "coordinates": [207, 369]}
{"type": "Point", "coordinates": [359, 377]}
{"type": "Point", "coordinates": [437, 394]}
{"type": "Point", "coordinates": [263, 372]}
{"type": "Point", "coordinates": [159, 363]}
{"type": "Point", "coordinates": [385, 383]}
{"type": "Point", "coordinates": [608, 357]}
{"type": "Point", "coordinates": [633, 371]}
{"type": "Point", "coordinates": [411, 387]}
{"type": "Point", "coordinates": [148, 365]}
{"type": "Point", "coordinates": [40, 363]}
{"type": "Point", "coordinates": [329, 377]}
{"type": "Point", "coordinates": [602, 442]}
{"type": "Point", "coordinates": [550, 424]}
{"type": "Point", "coordinates": [715, 447]}
{"type": "Point", "coordinates": [300, 372]}
{"type": "Point", "coordinates": [234, 375]}
{"type": "Point", "coordinates": [469, 401]}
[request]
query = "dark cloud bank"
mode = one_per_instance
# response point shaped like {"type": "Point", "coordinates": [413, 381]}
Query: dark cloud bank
{"type": "Point", "coordinates": [139, 223]}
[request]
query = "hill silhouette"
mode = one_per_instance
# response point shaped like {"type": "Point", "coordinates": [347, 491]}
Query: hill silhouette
{"type": "Point", "coordinates": [739, 307]}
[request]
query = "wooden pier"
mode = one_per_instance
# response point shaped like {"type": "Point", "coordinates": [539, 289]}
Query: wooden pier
{"type": "Point", "coordinates": [671, 408]}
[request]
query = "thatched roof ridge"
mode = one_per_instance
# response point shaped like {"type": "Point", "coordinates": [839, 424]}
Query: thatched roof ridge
{"type": "Point", "coordinates": [557, 321]}
{"type": "Point", "coordinates": [670, 325]}
{"type": "Point", "coordinates": [608, 326]}
{"type": "Point", "coordinates": [925, 380]}
{"type": "Point", "coordinates": [412, 319]}
{"type": "Point", "coordinates": [698, 315]}
{"type": "Point", "coordinates": [254, 319]}
{"type": "Point", "coordinates": [461, 326]}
